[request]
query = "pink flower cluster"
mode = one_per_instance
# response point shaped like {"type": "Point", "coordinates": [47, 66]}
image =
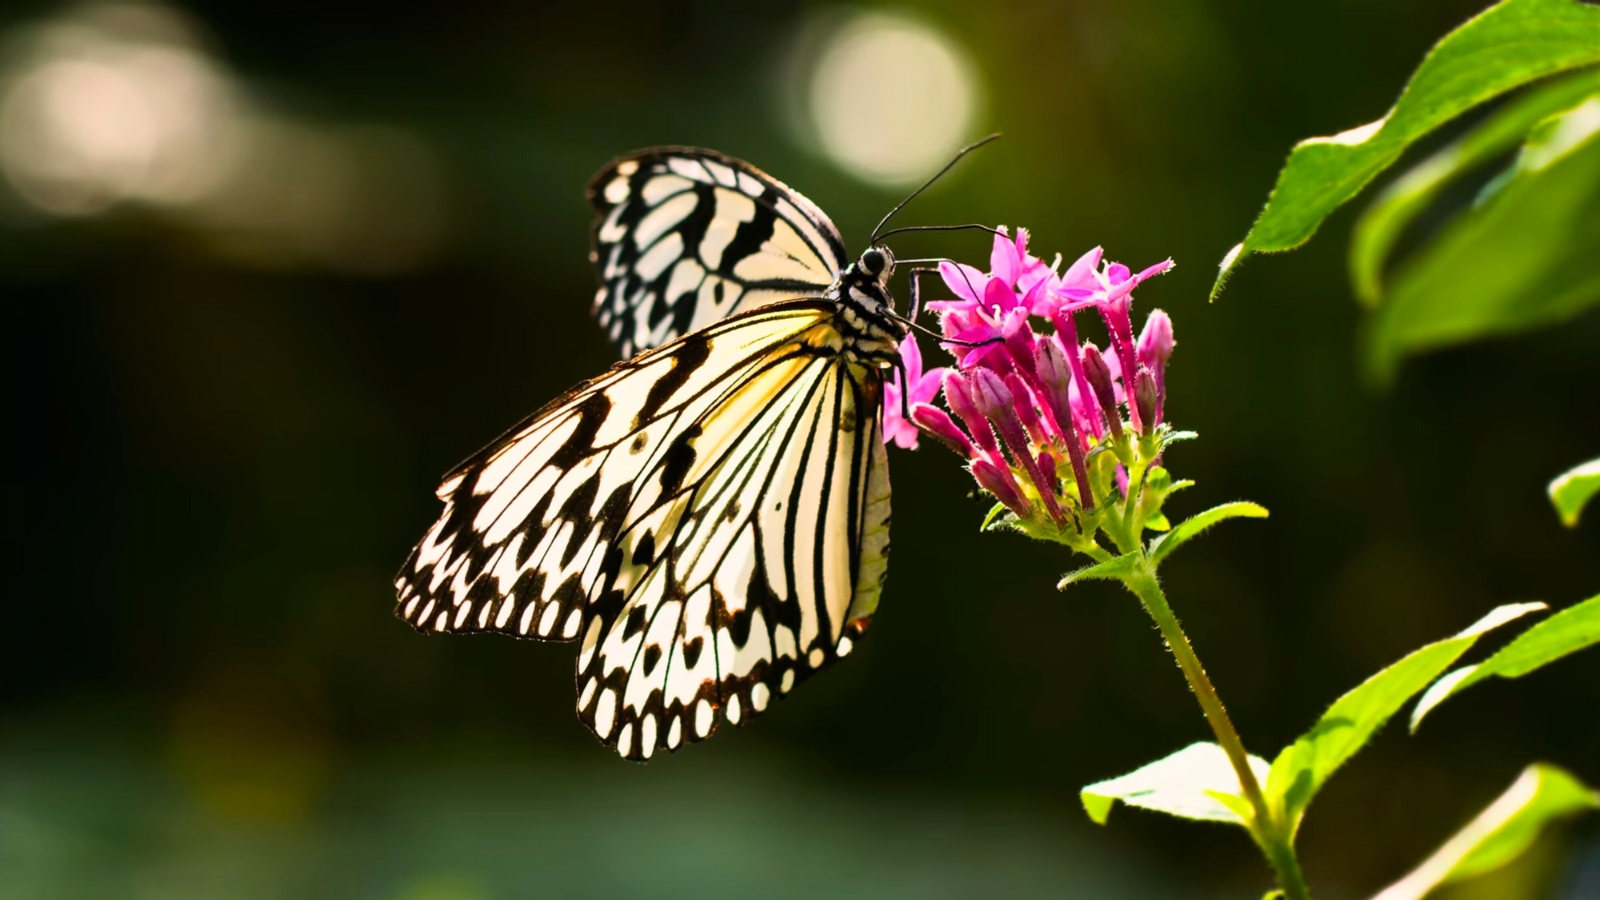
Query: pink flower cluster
{"type": "Point", "coordinates": [1027, 396]}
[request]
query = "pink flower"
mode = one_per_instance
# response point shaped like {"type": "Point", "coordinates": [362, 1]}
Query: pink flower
{"type": "Point", "coordinates": [989, 309]}
{"type": "Point", "coordinates": [996, 304]}
{"type": "Point", "coordinates": [1025, 401]}
{"type": "Point", "coordinates": [924, 387]}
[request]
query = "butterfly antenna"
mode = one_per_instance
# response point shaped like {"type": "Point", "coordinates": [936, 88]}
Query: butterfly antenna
{"type": "Point", "coordinates": [971, 225]}
{"type": "Point", "coordinates": [929, 183]}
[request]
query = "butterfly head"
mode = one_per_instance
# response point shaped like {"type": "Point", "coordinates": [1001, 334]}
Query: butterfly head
{"type": "Point", "coordinates": [867, 314]}
{"type": "Point", "coordinates": [877, 263]}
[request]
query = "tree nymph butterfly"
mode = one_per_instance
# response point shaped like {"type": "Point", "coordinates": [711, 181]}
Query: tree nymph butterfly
{"type": "Point", "coordinates": [710, 518]}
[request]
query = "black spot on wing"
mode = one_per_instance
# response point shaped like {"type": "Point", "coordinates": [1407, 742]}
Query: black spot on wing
{"type": "Point", "coordinates": [677, 461]}
{"type": "Point", "coordinates": [635, 624]}
{"type": "Point", "coordinates": [644, 552]}
{"type": "Point", "coordinates": [690, 354]}
{"type": "Point", "coordinates": [592, 412]}
{"type": "Point", "coordinates": [751, 235]}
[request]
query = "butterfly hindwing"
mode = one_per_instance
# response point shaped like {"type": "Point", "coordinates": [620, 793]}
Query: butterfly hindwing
{"type": "Point", "coordinates": [684, 237]}
{"type": "Point", "coordinates": [709, 519]}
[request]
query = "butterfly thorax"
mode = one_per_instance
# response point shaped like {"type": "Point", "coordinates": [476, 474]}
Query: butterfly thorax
{"type": "Point", "coordinates": [871, 330]}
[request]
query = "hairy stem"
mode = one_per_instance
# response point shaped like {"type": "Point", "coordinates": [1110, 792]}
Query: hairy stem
{"type": "Point", "coordinates": [1270, 834]}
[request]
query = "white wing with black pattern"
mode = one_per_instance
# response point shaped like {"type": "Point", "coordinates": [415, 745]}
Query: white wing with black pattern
{"type": "Point", "coordinates": [710, 519]}
{"type": "Point", "coordinates": [685, 237]}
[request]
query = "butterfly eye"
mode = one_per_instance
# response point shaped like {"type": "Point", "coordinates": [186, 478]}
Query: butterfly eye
{"type": "Point", "coordinates": [872, 262]}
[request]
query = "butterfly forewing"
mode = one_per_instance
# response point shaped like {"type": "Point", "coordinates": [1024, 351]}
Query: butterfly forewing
{"type": "Point", "coordinates": [686, 237]}
{"type": "Point", "coordinates": [709, 518]}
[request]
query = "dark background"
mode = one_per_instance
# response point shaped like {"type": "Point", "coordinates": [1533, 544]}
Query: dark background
{"type": "Point", "coordinates": [218, 465]}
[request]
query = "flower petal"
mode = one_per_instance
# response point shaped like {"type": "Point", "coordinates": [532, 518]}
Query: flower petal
{"type": "Point", "coordinates": [1156, 269]}
{"type": "Point", "coordinates": [927, 388]}
{"type": "Point", "coordinates": [1081, 273]}
{"type": "Point", "coordinates": [998, 295]}
{"type": "Point", "coordinates": [1004, 263]}
{"type": "Point", "coordinates": [911, 357]}
{"type": "Point", "coordinates": [964, 281]}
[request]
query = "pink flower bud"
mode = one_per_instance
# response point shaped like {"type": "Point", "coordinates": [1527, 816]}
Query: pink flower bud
{"type": "Point", "coordinates": [994, 400]}
{"type": "Point", "coordinates": [1023, 396]}
{"type": "Point", "coordinates": [1099, 377]}
{"type": "Point", "coordinates": [1003, 409]}
{"type": "Point", "coordinates": [1067, 337]}
{"type": "Point", "coordinates": [958, 393]}
{"type": "Point", "coordinates": [1055, 377]}
{"type": "Point", "coordinates": [1055, 381]}
{"type": "Point", "coordinates": [997, 480]}
{"type": "Point", "coordinates": [1155, 341]}
{"type": "Point", "coordinates": [1146, 398]}
{"type": "Point", "coordinates": [938, 423]}
{"type": "Point", "coordinates": [1120, 327]}
{"type": "Point", "coordinates": [1155, 348]}
{"type": "Point", "coordinates": [1047, 465]}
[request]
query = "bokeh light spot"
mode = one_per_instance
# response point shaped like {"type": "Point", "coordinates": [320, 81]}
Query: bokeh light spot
{"type": "Point", "coordinates": [890, 98]}
{"type": "Point", "coordinates": [121, 103]}
{"type": "Point", "coordinates": [96, 120]}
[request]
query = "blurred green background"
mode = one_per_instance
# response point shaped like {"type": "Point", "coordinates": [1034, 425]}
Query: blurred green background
{"type": "Point", "coordinates": [278, 265]}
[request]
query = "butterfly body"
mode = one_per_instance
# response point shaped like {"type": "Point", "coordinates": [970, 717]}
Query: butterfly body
{"type": "Point", "coordinates": [709, 518]}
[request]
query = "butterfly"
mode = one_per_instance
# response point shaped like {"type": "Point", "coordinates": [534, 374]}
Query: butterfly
{"type": "Point", "coordinates": [710, 518]}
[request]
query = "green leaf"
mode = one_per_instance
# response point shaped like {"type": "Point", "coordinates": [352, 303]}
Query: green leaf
{"type": "Point", "coordinates": [1114, 569]}
{"type": "Point", "coordinates": [1163, 545]}
{"type": "Point", "coordinates": [1510, 44]}
{"type": "Point", "coordinates": [1572, 489]}
{"type": "Point", "coordinates": [1197, 782]}
{"type": "Point", "coordinates": [1167, 438]}
{"type": "Point", "coordinates": [996, 512]}
{"type": "Point", "coordinates": [1564, 633]}
{"type": "Point", "coordinates": [1302, 768]}
{"type": "Point", "coordinates": [1382, 224]}
{"type": "Point", "coordinates": [1500, 833]}
{"type": "Point", "coordinates": [1523, 257]}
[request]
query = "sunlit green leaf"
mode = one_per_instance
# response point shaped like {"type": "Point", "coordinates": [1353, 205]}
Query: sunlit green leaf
{"type": "Point", "coordinates": [1197, 782]}
{"type": "Point", "coordinates": [1510, 44]}
{"type": "Point", "coordinates": [1572, 489]}
{"type": "Point", "coordinates": [1523, 257]}
{"type": "Point", "coordinates": [1500, 833]}
{"type": "Point", "coordinates": [1112, 569]}
{"type": "Point", "coordinates": [1382, 224]}
{"type": "Point", "coordinates": [1163, 545]}
{"type": "Point", "coordinates": [1167, 438]}
{"type": "Point", "coordinates": [996, 514]}
{"type": "Point", "coordinates": [1302, 768]}
{"type": "Point", "coordinates": [1564, 633]}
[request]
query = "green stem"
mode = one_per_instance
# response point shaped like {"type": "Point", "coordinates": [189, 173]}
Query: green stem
{"type": "Point", "coordinates": [1270, 834]}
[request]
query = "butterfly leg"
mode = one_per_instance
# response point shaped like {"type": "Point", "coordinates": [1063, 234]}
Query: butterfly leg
{"type": "Point", "coordinates": [903, 379]}
{"type": "Point", "coordinates": [916, 290]}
